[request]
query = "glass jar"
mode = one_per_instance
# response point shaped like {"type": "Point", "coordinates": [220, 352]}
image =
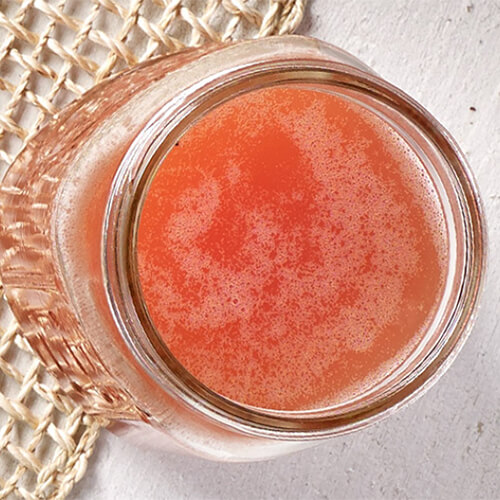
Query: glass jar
{"type": "Point", "coordinates": [67, 237]}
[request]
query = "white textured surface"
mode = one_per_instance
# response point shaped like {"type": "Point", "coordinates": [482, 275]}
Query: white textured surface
{"type": "Point", "coordinates": [446, 54]}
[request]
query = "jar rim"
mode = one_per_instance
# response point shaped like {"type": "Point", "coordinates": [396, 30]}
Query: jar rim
{"type": "Point", "coordinates": [119, 236]}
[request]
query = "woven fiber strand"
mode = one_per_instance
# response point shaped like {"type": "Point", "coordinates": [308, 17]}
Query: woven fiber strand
{"type": "Point", "coordinates": [51, 51]}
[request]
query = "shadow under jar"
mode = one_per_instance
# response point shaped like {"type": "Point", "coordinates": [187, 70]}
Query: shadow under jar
{"type": "Point", "coordinates": [81, 206]}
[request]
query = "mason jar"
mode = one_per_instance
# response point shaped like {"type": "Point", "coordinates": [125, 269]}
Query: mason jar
{"type": "Point", "coordinates": [69, 210]}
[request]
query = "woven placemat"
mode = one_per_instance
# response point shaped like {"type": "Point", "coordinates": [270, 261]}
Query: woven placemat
{"type": "Point", "coordinates": [51, 51]}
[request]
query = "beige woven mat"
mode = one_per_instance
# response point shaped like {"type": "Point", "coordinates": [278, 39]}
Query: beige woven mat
{"type": "Point", "coordinates": [50, 52]}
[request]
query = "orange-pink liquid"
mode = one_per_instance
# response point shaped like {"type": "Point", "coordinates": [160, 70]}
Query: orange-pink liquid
{"type": "Point", "coordinates": [291, 249]}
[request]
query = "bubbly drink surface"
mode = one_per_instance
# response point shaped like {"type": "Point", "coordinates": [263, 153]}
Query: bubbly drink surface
{"type": "Point", "coordinates": [292, 249]}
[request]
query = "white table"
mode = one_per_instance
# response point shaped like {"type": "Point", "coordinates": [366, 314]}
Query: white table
{"type": "Point", "coordinates": [446, 54]}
